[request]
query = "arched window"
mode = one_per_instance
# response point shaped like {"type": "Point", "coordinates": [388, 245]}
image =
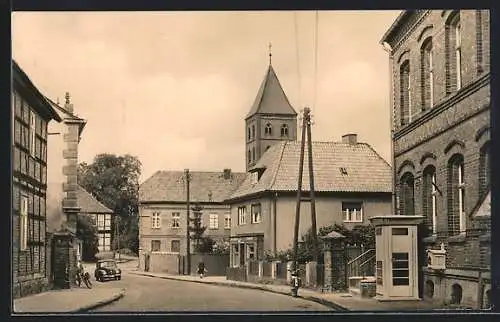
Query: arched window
{"type": "Point", "coordinates": [405, 92]}
{"type": "Point", "coordinates": [484, 168]}
{"type": "Point", "coordinates": [453, 48]}
{"type": "Point", "coordinates": [407, 195]}
{"type": "Point", "coordinates": [427, 77]}
{"type": "Point", "coordinates": [456, 195]}
{"type": "Point", "coordinates": [429, 194]}
{"type": "Point", "coordinates": [284, 130]}
{"type": "Point", "coordinates": [269, 129]}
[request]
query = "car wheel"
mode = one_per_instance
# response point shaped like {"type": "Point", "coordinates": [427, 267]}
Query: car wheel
{"type": "Point", "coordinates": [119, 278]}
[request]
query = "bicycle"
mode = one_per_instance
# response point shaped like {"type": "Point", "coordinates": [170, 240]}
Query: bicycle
{"type": "Point", "coordinates": [85, 277]}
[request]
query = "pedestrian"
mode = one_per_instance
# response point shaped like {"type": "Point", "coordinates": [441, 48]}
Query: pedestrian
{"type": "Point", "coordinates": [201, 269]}
{"type": "Point", "coordinates": [80, 271]}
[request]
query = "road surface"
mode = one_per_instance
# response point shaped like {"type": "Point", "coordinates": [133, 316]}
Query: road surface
{"type": "Point", "coordinates": [152, 294]}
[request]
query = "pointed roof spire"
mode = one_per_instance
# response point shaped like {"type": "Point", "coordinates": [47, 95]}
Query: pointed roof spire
{"type": "Point", "coordinates": [271, 98]}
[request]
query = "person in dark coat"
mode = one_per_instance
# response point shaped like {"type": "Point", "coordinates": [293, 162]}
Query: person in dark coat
{"type": "Point", "coordinates": [201, 269]}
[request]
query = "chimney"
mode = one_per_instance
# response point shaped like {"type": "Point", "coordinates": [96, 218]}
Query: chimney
{"type": "Point", "coordinates": [227, 174]}
{"type": "Point", "coordinates": [350, 138]}
{"type": "Point", "coordinates": [68, 106]}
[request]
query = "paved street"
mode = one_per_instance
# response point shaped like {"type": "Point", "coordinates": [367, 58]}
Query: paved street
{"type": "Point", "coordinates": [155, 294]}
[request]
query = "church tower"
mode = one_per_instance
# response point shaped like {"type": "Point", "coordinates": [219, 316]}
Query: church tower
{"type": "Point", "coordinates": [271, 120]}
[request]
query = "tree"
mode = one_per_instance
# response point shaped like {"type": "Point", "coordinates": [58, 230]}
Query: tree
{"type": "Point", "coordinates": [197, 229]}
{"type": "Point", "coordinates": [87, 233]}
{"type": "Point", "coordinates": [114, 181]}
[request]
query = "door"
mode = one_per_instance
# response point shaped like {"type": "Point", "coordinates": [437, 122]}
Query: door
{"type": "Point", "coordinates": [146, 262]}
{"type": "Point", "coordinates": [242, 254]}
{"type": "Point", "coordinates": [401, 274]}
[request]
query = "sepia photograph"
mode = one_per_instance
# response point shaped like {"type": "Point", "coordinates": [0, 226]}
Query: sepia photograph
{"type": "Point", "coordinates": [298, 162]}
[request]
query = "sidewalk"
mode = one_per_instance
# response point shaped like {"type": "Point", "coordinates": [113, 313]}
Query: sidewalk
{"type": "Point", "coordinates": [68, 300]}
{"type": "Point", "coordinates": [338, 301]}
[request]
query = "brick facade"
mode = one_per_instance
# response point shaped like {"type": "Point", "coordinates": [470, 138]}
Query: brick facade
{"type": "Point", "coordinates": [439, 139]}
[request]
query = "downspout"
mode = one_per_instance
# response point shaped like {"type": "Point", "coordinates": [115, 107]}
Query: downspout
{"type": "Point", "coordinates": [274, 223]}
{"type": "Point", "coordinates": [388, 49]}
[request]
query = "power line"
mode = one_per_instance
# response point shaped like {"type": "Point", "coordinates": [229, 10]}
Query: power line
{"type": "Point", "coordinates": [315, 61]}
{"type": "Point", "coordinates": [298, 57]}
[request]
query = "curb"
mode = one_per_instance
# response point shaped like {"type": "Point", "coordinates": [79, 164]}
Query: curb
{"type": "Point", "coordinates": [324, 302]}
{"type": "Point", "coordinates": [102, 303]}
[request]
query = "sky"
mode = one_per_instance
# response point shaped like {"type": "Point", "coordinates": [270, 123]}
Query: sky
{"type": "Point", "coordinates": [173, 88]}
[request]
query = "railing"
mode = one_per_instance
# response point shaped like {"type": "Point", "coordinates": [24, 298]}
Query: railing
{"type": "Point", "coordinates": [361, 265]}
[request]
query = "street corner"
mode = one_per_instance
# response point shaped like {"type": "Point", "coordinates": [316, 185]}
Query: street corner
{"type": "Point", "coordinates": [106, 297]}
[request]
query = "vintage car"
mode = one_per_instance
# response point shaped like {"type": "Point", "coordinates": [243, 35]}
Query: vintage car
{"type": "Point", "coordinates": [106, 269]}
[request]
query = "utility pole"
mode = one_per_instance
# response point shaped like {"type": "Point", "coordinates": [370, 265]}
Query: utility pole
{"type": "Point", "coordinates": [307, 116]}
{"type": "Point", "coordinates": [188, 241]}
{"type": "Point", "coordinates": [306, 129]}
{"type": "Point", "coordinates": [299, 196]}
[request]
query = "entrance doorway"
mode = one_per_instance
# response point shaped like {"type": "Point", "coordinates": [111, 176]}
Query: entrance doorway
{"type": "Point", "coordinates": [242, 254]}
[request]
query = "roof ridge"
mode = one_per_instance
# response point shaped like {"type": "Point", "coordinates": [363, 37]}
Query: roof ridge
{"type": "Point", "coordinates": [275, 175]}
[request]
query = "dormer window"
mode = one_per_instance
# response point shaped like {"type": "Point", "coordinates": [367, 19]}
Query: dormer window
{"type": "Point", "coordinates": [284, 130]}
{"type": "Point", "coordinates": [269, 129]}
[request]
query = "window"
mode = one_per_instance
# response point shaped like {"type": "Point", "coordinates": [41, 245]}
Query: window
{"type": "Point", "coordinates": [484, 168]}
{"type": "Point", "coordinates": [429, 191]}
{"type": "Point", "coordinates": [251, 251]}
{"type": "Point", "coordinates": [93, 219]}
{"type": "Point", "coordinates": [100, 222]}
{"type": "Point", "coordinates": [249, 156]}
{"type": "Point", "coordinates": [176, 218]}
{"type": "Point", "coordinates": [155, 245]}
{"type": "Point", "coordinates": [235, 255]}
{"type": "Point", "coordinates": [456, 195]}
{"type": "Point", "coordinates": [155, 220]}
{"type": "Point", "coordinates": [213, 221]}
{"type": "Point", "coordinates": [253, 131]}
{"type": "Point", "coordinates": [427, 78]}
{"type": "Point", "coordinates": [249, 134]}
{"type": "Point", "coordinates": [284, 130]}
{"type": "Point", "coordinates": [107, 222]}
{"type": "Point", "coordinates": [254, 177]}
{"type": "Point", "coordinates": [23, 224]}
{"type": "Point", "coordinates": [242, 215]}
{"type": "Point", "coordinates": [405, 92]}
{"type": "Point", "coordinates": [227, 221]}
{"type": "Point", "coordinates": [175, 246]}
{"type": "Point", "coordinates": [353, 211]}
{"type": "Point", "coordinates": [400, 269]}
{"type": "Point", "coordinates": [400, 231]}
{"type": "Point", "coordinates": [269, 129]}
{"type": "Point", "coordinates": [253, 153]}
{"type": "Point", "coordinates": [479, 41]}
{"type": "Point", "coordinates": [32, 133]}
{"type": "Point", "coordinates": [380, 280]}
{"type": "Point", "coordinates": [407, 195]}
{"type": "Point", "coordinates": [453, 48]}
{"type": "Point", "coordinates": [106, 242]}
{"type": "Point", "coordinates": [256, 214]}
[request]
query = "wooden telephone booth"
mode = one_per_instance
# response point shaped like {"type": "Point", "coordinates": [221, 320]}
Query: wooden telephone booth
{"type": "Point", "coordinates": [396, 257]}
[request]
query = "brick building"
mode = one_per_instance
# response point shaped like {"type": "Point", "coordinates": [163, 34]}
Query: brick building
{"type": "Point", "coordinates": [162, 209]}
{"type": "Point", "coordinates": [440, 95]}
{"type": "Point", "coordinates": [31, 113]}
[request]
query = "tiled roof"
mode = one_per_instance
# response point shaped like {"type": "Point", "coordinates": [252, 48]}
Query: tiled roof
{"type": "Point", "coordinates": [90, 205]}
{"type": "Point", "coordinates": [170, 186]}
{"type": "Point", "coordinates": [271, 99]}
{"type": "Point", "coordinates": [366, 170]}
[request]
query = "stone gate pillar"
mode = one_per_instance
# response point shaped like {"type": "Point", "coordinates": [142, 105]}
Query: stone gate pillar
{"type": "Point", "coordinates": [63, 259]}
{"type": "Point", "coordinates": [335, 274]}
